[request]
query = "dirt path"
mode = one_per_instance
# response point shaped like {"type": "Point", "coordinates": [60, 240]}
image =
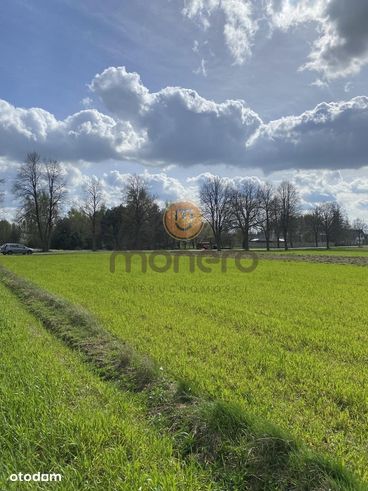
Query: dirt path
{"type": "Point", "coordinates": [358, 261]}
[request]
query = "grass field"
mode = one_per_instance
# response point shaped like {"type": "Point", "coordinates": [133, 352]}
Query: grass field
{"type": "Point", "coordinates": [58, 417]}
{"type": "Point", "coordinates": [287, 342]}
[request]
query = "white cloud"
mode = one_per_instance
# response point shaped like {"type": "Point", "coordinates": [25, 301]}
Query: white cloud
{"type": "Point", "coordinates": [180, 126]}
{"type": "Point", "coordinates": [163, 187]}
{"type": "Point", "coordinates": [87, 102]}
{"type": "Point", "coordinates": [200, 10]}
{"type": "Point", "coordinates": [195, 48]}
{"type": "Point", "coordinates": [86, 135]}
{"type": "Point", "coordinates": [202, 69]}
{"type": "Point", "coordinates": [342, 48]}
{"type": "Point", "coordinates": [314, 187]}
{"type": "Point", "coordinates": [332, 135]}
{"type": "Point", "coordinates": [122, 92]}
{"type": "Point", "coordinates": [8, 213]}
{"type": "Point", "coordinates": [239, 28]}
{"type": "Point", "coordinates": [239, 25]}
{"type": "Point", "coordinates": [318, 187]}
{"type": "Point", "coordinates": [319, 83]}
{"type": "Point", "coordinates": [347, 87]}
{"type": "Point", "coordinates": [176, 126]}
{"type": "Point", "coordinates": [286, 14]}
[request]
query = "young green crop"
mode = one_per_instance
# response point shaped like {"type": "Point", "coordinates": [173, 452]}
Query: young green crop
{"type": "Point", "coordinates": [57, 417]}
{"type": "Point", "coordinates": [288, 341]}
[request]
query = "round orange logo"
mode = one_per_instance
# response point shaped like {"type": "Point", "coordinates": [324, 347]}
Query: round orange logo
{"type": "Point", "coordinates": [183, 220]}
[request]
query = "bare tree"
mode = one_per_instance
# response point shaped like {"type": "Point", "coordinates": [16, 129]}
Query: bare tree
{"type": "Point", "coordinates": [246, 205]}
{"type": "Point", "coordinates": [313, 221]}
{"type": "Point", "coordinates": [40, 187]}
{"type": "Point", "coordinates": [216, 197]}
{"type": "Point", "coordinates": [27, 188]}
{"type": "Point", "coordinates": [331, 220]}
{"type": "Point", "coordinates": [266, 207]}
{"type": "Point", "coordinates": [288, 201]}
{"type": "Point", "coordinates": [92, 206]}
{"type": "Point", "coordinates": [276, 218]}
{"type": "Point", "coordinates": [55, 192]}
{"type": "Point", "coordinates": [361, 227]}
{"type": "Point", "coordinates": [139, 204]}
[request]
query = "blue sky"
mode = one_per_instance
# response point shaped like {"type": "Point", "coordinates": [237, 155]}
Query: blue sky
{"type": "Point", "coordinates": [176, 89]}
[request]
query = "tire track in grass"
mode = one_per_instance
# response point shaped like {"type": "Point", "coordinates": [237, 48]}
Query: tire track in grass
{"type": "Point", "coordinates": [57, 417]}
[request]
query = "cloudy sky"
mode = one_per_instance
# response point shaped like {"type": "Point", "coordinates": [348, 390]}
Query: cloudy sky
{"type": "Point", "coordinates": [179, 89]}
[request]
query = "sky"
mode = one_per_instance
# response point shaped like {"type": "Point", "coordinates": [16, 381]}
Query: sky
{"type": "Point", "coordinates": [177, 90]}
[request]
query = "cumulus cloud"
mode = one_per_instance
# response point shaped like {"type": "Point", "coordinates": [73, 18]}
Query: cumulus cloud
{"type": "Point", "coordinates": [233, 181]}
{"type": "Point", "coordinates": [332, 135]}
{"type": "Point", "coordinates": [314, 187]}
{"type": "Point", "coordinates": [163, 187]}
{"type": "Point", "coordinates": [360, 186]}
{"type": "Point", "coordinates": [87, 135]}
{"type": "Point", "coordinates": [122, 92]}
{"type": "Point", "coordinates": [178, 126]}
{"type": "Point", "coordinates": [318, 187]}
{"type": "Point", "coordinates": [342, 49]}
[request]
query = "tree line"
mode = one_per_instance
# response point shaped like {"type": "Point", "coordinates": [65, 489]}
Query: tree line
{"type": "Point", "coordinates": [234, 216]}
{"type": "Point", "coordinates": [274, 214]}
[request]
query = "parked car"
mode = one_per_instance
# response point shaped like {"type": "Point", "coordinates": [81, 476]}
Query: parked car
{"type": "Point", "coordinates": [15, 249]}
{"type": "Point", "coordinates": [203, 245]}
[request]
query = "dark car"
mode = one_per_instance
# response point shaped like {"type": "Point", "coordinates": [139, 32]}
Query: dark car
{"type": "Point", "coordinates": [15, 249]}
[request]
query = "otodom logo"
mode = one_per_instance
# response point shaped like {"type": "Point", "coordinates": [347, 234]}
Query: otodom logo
{"type": "Point", "coordinates": [183, 220]}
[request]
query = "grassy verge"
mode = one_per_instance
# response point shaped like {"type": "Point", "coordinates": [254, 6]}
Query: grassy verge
{"type": "Point", "coordinates": [243, 452]}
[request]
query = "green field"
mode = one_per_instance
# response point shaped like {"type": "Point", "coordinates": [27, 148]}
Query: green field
{"type": "Point", "coordinates": [287, 342]}
{"type": "Point", "coordinates": [57, 417]}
